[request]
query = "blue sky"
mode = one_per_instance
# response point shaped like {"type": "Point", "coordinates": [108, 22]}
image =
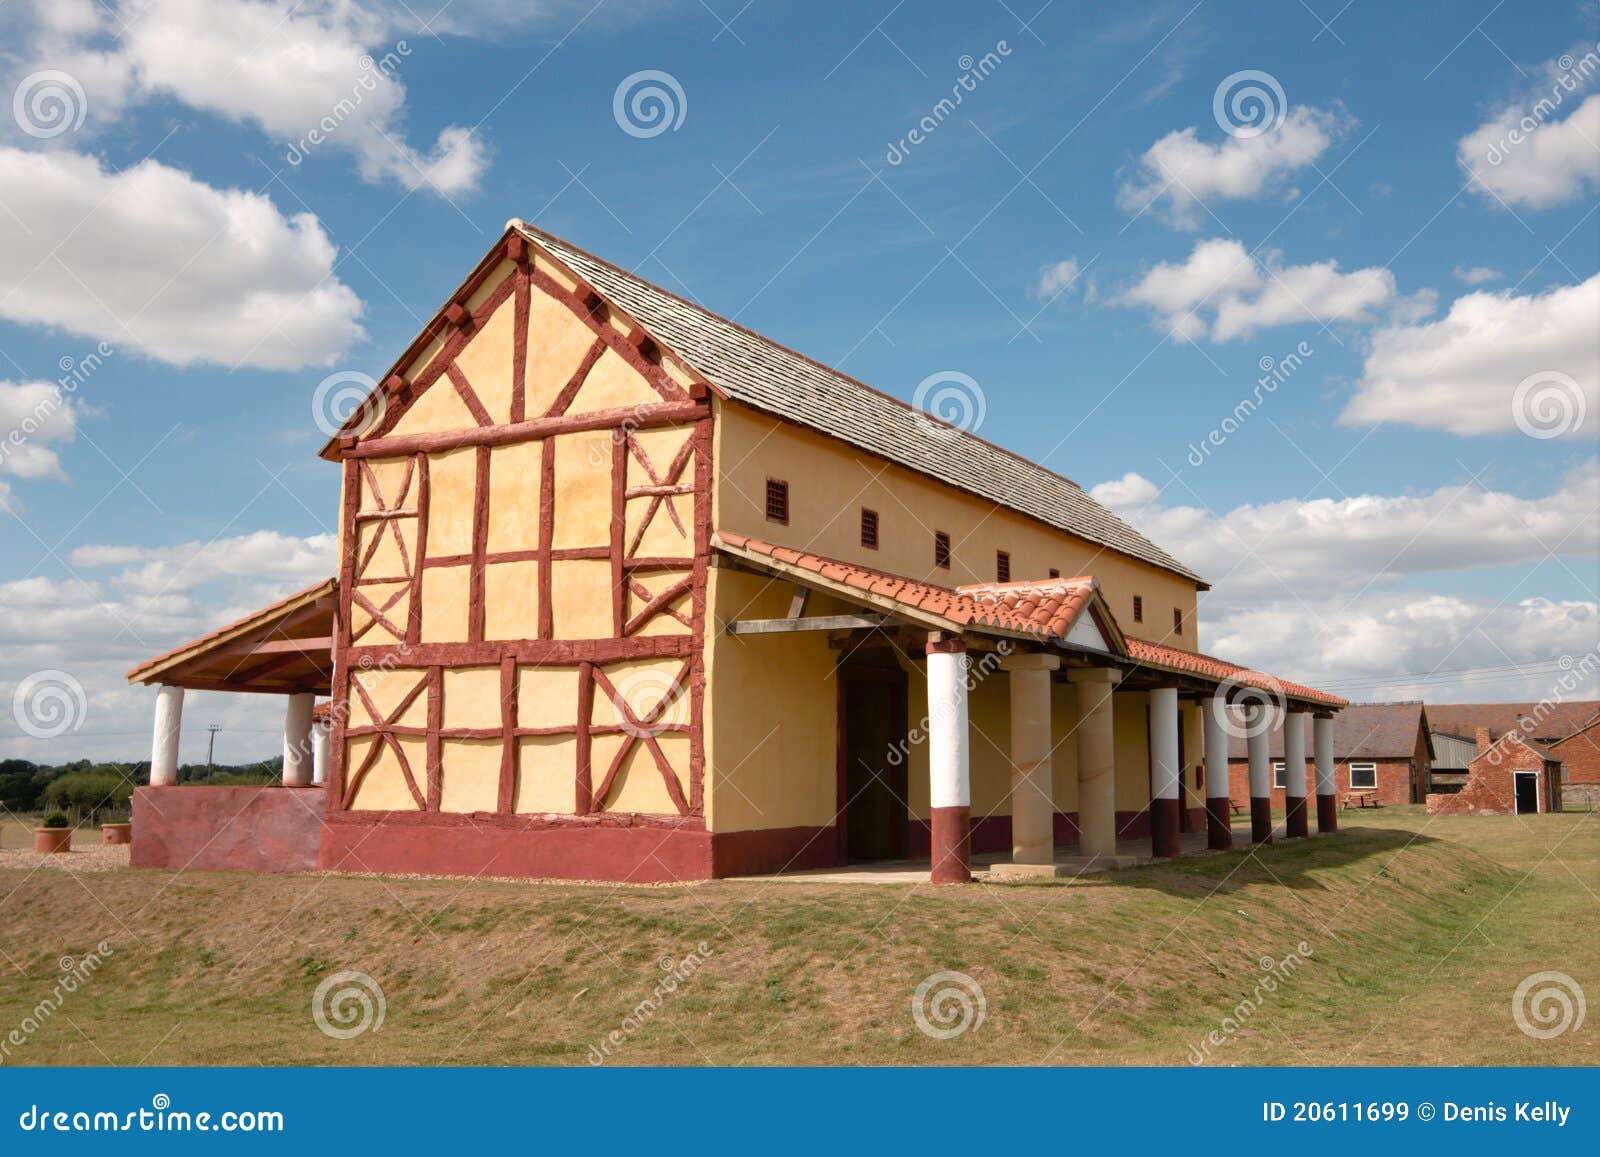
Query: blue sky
{"type": "Point", "coordinates": [1381, 523]}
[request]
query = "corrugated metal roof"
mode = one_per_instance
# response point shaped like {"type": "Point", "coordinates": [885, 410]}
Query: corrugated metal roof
{"type": "Point", "coordinates": [758, 372]}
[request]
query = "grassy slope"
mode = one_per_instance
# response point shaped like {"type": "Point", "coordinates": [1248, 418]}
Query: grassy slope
{"type": "Point", "coordinates": [1419, 932]}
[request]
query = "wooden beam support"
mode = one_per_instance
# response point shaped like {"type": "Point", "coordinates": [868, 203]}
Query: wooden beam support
{"type": "Point", "coordinates": [814, 623]}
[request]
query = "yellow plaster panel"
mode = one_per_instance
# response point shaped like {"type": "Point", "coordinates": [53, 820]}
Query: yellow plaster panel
{"type": "Point", "coordinates": [514, 496]}
{"type": "Point", "coordinates": [663, 538]}
{"type": "Point", "coordinates": [555, 272]}
{"type": "Point", "coordinates": [660, 622]}
{"type": "Point", "coordinates": [580, 599]}
{"type": "Point", "coordinates": [583, 492]}
{"type": "Point", "coordinates": [452, 488]}
{"type": "Point", "coordinates": [489, 284]}
{"type": "Point", "coordinates": [511, 600]}
{"type": "Point", "coordinates": [390, 476]}
{"type": "Point", "coordinates": [471, 697]}
{"type": "Point", "coordinates": [386, 688]}
{"type": "Point", "coordinates": [547, 696]}
{"type": "Point", "coordinates": [639, 787]}
{"type": "Point", "coordinates": [642, 686]}
{"type": "Point", "coordinates": [486, 361]}
{"type": "Point", "coordinates": [612, 384]}
{"type": "Point", "coordinates": [387, 560]}
{"type": "Point", "coordinates": [1131, 718]}
{"type": "Point", "coordinates": [384, 786]}
{"type": "Point", "coordinates": [557, 342]}
{"type": "Point", "coordinates": [446, 592]}
{"type": "Point", "coordinates": [437, 408]}
{"type": "Point", "coordinates": [771, 724]}
{"type": "Point", "coordinates": [379, 594]}
{"type": "Point", "coordinates": [547, 774]}
{"type": "Point", "coordinates": [470, 775]}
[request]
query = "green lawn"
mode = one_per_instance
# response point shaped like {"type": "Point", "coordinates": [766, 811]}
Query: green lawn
{"type": "Point", "coordinates": [1416, 933]}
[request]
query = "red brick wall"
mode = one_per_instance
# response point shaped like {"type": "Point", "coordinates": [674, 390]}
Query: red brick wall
{"type": "Point", "coordinates": [1394, 781]}
{"type": "Point", "coordinates": [1580, 755]}
{"type": "Point", "coordinates": [1491, 788]}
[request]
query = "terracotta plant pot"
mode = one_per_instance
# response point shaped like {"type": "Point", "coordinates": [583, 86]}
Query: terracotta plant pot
{"type": "Point", "coordinates": [116, 833]}
{"type": "Point", "coordinates": [48, 841]}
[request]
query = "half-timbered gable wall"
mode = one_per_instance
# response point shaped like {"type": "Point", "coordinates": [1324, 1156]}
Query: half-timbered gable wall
{"type": "Point", "coordinates": [525, 537]}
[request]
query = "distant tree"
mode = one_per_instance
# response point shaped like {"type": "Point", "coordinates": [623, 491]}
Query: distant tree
{"type": "Point", "coordinates": [90, 793]}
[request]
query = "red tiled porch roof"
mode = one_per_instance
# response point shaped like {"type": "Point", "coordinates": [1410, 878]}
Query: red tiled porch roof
{"type": "Point", "coordinates": [1210, 667]}
{"type": "Point", "coordinates": [1044, 610]}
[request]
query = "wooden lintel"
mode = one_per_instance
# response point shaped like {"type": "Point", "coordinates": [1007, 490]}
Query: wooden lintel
{"type": "Point", "coordinates": [814, 623]}
{"type": "Point", "coordinates": [319, 648]}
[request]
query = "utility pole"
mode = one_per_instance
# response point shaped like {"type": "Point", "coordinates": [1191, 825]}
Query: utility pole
{"type": "Point", "coordinates": [211, 746]}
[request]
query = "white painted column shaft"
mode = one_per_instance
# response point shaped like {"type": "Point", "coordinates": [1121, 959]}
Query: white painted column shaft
{"type": "Point", "coordinates": [164, 746]}
{"type": "Point", "coordinates": [1216, 740]}
{"type": "Point", "coordinates": [1258, 729]}
{"type": "Point", "coordinates": [1167, 776]}
{"type": "Point", "coordinates": [1322, 743]}
{"type": "Point", "coordinates": [321, 735]}
{"type": "Point", "coordinates": [1294, 753]}
{"type": "Point", "coordinates": [949, 751]}
{"type": "Point", "coordinates": [297, 740]}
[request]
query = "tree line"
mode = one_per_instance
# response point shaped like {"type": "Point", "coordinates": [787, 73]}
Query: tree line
{"type": "Point", "coordinates": [96, 792]}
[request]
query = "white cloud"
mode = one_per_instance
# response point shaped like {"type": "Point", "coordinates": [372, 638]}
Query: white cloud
{"type": "Point", "coordinates": [1056, 278]}
{"type": "Point", "coordinates": [1221, 291]}
{"type": "Point", "coordinates": [1180, 174]}
{"type": "Point", "coordinates": [1324, 591]}
{"type": "Point", "coordinates": [263, 556]}
{"type": "Point", "coordinates": [1477, 274]}
{"type": "Point", "coordinates": [34, 416]}
{"type": "Point", "coordinates": [1526, 158]}
{"type": "Point", "coordinates": [1312, 548]}
{"type": "Point", "coordinates": [291, 70]}
{"type": "Point", "coordinates": [151, 259]}
{"type": "Point", "coordinates": [1461, 373]}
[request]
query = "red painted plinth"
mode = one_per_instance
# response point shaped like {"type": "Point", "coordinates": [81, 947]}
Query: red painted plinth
{"type": "Point", "coordinates": [1260, 820]}
{"type": "Point", "coordinates": [1219, 825]}
{"type": "Point", "coordinates": [1164, 838]}
{"type": "Point", "coordinates": [1295, 823]}
{"type": "Point", "coordinates": [1327, 814]}
{"type": "Point", "coordinates": [951, 832]}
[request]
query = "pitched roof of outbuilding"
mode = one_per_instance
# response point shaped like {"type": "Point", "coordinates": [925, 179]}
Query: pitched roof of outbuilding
{"type": "Point", "coordinates": [1550, 722]}
{"type": "Point", "coordinates": [760, 373]}
{"type": "Point", "coordinates": [1360, 731]}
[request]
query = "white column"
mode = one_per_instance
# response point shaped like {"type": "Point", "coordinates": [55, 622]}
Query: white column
{"type": "Point", "coordinates": [1032, 778]}
{"type": "Point", "coordinates": [949, 763]}
{"type": "Point", "coordinates": [1097, 760]}
{"type": "Point", "coordinates": [1216, 738]}
{"type": "Point", "coordinates": [164, 746]}
{"type": "Point", "coordinates": [321, 735]}
{"type": "Point", "coordinates": [1258, 729]}
{"type": "Point", "coordinates": [297, 740]}
{"type": "Point", "coordinates": [1168, 776]}
{"type": "Point", "coordinates": [1294, 754]}
{"type": "Point", "coordinates": [1322, 744]}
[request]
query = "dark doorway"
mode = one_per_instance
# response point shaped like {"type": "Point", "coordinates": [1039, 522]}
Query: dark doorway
{"type": "Point", "coordinates": [872, 764]}
{"type": "Point", "coordinates": [1527, 792]}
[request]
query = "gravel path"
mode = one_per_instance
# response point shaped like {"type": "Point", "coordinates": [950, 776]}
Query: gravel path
{"type": "Point", "coordinates": [92, 859]}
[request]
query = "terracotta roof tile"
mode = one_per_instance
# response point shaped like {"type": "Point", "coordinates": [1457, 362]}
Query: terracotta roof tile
{"type": "Point", "coordinates": [1193, 662]}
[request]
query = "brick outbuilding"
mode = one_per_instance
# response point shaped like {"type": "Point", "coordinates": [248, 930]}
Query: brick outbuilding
{"type": "Point", "coordinates": [1569, 732]}
{"type": "Point", "coordinates": [1510, 776]}
{"type": "Point", "coordinates": [1382, 753]}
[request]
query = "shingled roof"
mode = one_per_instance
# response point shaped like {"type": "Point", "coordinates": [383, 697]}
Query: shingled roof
{"type": "Point", "coordinates": [760, 373]}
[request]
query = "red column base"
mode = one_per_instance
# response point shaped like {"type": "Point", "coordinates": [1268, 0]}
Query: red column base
{"type": "Point", "coordinates": [1164, 835]}
{"type": "Point", "coordinates": [951, 837]}
{"type": "Point", "coordinates": [1219, 825]}
{"type": "Point", "coordinates": [1327, 814]}
{"type": "Point", "coordinates": [1260, 820]}
{"type": "Point", "coordinates": [1295, 824]}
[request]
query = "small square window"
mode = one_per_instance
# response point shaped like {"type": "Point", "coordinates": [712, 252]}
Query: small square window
{"type": "Point", "coordinates": [777, 501]}
{"type": "Point", "coordinates": [1278, 777]}
{"type": "Point", "coordinates": [1138, 608]}
{"type": "Point", "coordinates": [941, 550]}
{"type": "Point", "coordinates": [1177, 621]}
{"type": "Point", "coordinates": [1054, 573]}
{"type": "Point", "coordinates": [869, 528]}
{"type": "Point", "coordinates": [1002, 566]}
{"type": "Point", "coordinates": [1363, 777]}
